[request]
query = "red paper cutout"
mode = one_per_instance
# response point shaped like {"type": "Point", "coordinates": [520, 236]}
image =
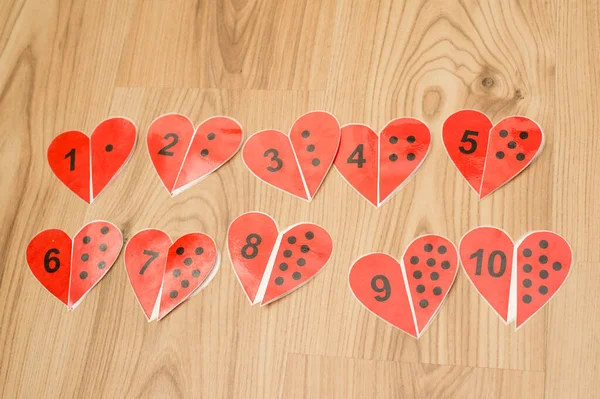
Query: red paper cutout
{"type": "Point", "coordinates": [427, 273]}
{"type": "Point", "coordinates": [298, 163]}
{"type": "Point", "coordinates": [379, 166]}
{"type": "Point", "coordinates": [182, 157]}
{"type": "Point", "coordinates": [71, 153]}
{"type": "Point", "coordinates": [270, 265]}
{"type": "Point", "coordinates": [69, 269]}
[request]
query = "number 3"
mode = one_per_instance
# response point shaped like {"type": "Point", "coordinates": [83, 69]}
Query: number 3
{"type": "Point", "coordinates": [274, 158]}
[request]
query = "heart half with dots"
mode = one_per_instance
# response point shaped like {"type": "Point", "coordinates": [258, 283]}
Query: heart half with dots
{"type": "Point", "coordinates": [271, 264]}
{"type": "Point", "coordinates": [70, 268]}
{"type": "Point", "coordinates": [164, 274]}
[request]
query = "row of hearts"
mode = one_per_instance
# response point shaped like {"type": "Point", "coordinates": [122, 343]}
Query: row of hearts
{"type": "Point", "coordinates": [298, 163]}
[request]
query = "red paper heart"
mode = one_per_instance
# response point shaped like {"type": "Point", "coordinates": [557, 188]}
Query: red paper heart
{"type": "Point", "coordinates": [490, 156]}
{"type": "Point", "coordinates": [406, 294]}
{"type": "Point", "coordinates": [270, 264]}
{"type": "Point", "coordinates": [379, 166]}
{"type": "Point", "coordinates": [298, 163]}
{"type": "Point", "coordinates": [69, 269]}
{"type": "Point", "coordinates": [164, 274]}
{"type": "Point", "coordinates": [71, 153]}
{"type": "Point", "coordinates": [182, 157]}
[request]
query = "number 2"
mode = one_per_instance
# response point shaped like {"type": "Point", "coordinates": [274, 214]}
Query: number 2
{"type": "Point", "coordinates": [275, 159]}
{"type": "Point", "coordinates": [491, 261]}
{"type": "Point", "coordinates": [466, 139]}
{"type": "Point", "coordinates": [153, 255]}
{"type": "Point", "coordinates": [71, 155]}
{"type": "Point", "coordinates": [358, 153]}
{"type": "Point", "coordinates": [385, 288]}
{"type": "Point", "coordinates": [163, 151]}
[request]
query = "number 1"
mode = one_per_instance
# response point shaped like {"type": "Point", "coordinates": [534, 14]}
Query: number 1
{"type": "Point", "coordinates": [71, 154]}
{"type": "Point", "coordinates": [153, 255]}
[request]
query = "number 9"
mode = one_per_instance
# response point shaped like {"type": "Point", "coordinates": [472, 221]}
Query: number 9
{"type": "Point", "coordinates": [386, 287]}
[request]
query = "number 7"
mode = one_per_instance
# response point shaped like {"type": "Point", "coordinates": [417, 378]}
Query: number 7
{"type": "Point", "coordinates": [153, 255]}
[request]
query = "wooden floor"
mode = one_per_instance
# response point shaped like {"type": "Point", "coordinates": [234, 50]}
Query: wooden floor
{"type": "Point", "coordinates": [68, 64]}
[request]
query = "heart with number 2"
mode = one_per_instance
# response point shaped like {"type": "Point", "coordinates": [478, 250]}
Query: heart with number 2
{"type": "Point", "coordinates": [270, 264]}
{"type": "Point", "coordinates": [516, 280]}
{"type": "Point", "coordinates": [489, 156]}
{"type": "Point", "coordinates": [298, 163]}
{"type": "Point", "coordinates": [183, 156]}
{"type": "Point", "coordinates": [87, 165]}
{"type": "Point", "coordinates": [164, 274]}
{"type": "Point", "coordinates": [69, 269]}
{"type": "Point", "coordinates": [407, 294]}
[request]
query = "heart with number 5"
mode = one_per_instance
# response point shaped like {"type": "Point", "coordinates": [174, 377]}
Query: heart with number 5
{"type": "Point", "coordinates": [408, 293]}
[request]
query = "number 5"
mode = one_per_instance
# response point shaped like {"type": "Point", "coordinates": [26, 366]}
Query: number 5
{"type": "Point", "coordinates": [466, 139]}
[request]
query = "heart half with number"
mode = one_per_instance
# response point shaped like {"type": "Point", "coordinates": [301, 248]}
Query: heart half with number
{"type": "Point", "coordinates": [407, 294]}
{"type": "Point", "coordinates": [270, 264]}
{"type": "Point", "coordinates": [164, 274]}
{"type": "Point", "coordinates": [69, 269]}
{"type": "Point", "coordinates": [516, 280]}
{"type": "Point", "coordinates": [489, 156]}
{"type": "Point", "coordinates": [183, 156]}
{"type": "Point", "coordinates": [87, 165]}
{"type": "Point", "coordinates": [378, 166]}
{"type": "Point", "coordinates": [298, 163]}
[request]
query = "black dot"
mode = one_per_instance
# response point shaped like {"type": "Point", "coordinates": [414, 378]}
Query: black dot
{"type": "Point", "coordinates": [500, 155]}
{"type": "Point", "coordinates": [527, 268]}
{"type": "Point", "coordinates": [291, 240]}
{"type": "Point", "coordinates": [527, 252]}
{"type": "Point", "coordinates": [316, 162]}
{"type": "Point", "coordinates": [173, 294]}
{"type": "Point", "coordinates": [393, 157]}
{"type": "Point", "coordinates": [434, 276]}
{"type": "Point", "coordinates": [411, 156]}
{"type": "Point", "coordinates": [199, 251]}
{"type": "Point", "coordinates": [503, 133]}
{"type": "Point", "coordinates": [310, 148]}
{"type": "Point", "coordinates": [442, 250]}
{"type": "Point", "coordinates": [279, 280]}
{"type": "Point", "coordinates": [428, 247]}
{"type": "Point", "coordinates": [417, 274]}
{"type": "Point", "coordinates": [437, 291]}
{"type": "Point", "coordinates": [527, 283]}
{"type": "Point", "coordinates": [176, 273]}
{"type": "Point", "coordinates": [411, 139]}
{"type": "Point", "coordinates": [445, 265]}
{"type": "Point", "coordinates": [393, 140]}
{"type": "Point", "coordinates": [304, 249]}
{"type": "Point", "coordinates": [301, 262]}
{"type": "Point", "coordinates": [85, 257]}
{"type": "Point", "coordinates": [543, 290]}
{"type": "Point", "coordinates": [196, 273]}
{"type": "Point", "coordinates": [296, 276]}
{"type": "Point", "coordinates": [423, 303]}
{"type": "Point", "coordinates": [305, 134]}
{"type": "Point", "coordinates": [544, 244]}
{"type": "Point", "coordinates": [309, 235]}
{"type": "Point", "coordinates": [210, 136]}
{"type": "Point", "coordinates": [283, 266]}
{"type": "Point", "coordinates": [185, 283]}
{"type": "Point", "coordinates": [523, 135]}
{"type": "Point", "coordinates": [101, 265]}
{"type": "Point", "coordinates": [557, 266]}
{"type": "Point", "coordinates": [543, 259]}
{"type": "Point", "coordinates": [187, 261]}
{"type": "Point", "coordinates": [287, 253]}
{"type": "Point", "coordinates": [103, 247]}
{"type": "Point", "coordinates": [520, 156]}
{"type": "Point", "coordinates": [104, 230]}
{"type": "Point", "coordinates": [204, 152]}
{"type": "Point", "coordinates": [544, 274]}
{"type": "Point", "coordinates": [430, 262]}
{"type": "Point", "coordinates": [414, 260]}
{"type": "Point", "coordinates": [180, 251]}
{"type": "Point", "coordinates": [109, 148]}
{"type": "Point", "coordinates": [512, 145]}
{"type": "Point", "coordinates": [527, 298]}
{"type": "Point", "coordinates": [420, 288]}
{"type": "Point", "coordinates": [83, 275]}
{"type": "Point", "coordinates": [87, 239]}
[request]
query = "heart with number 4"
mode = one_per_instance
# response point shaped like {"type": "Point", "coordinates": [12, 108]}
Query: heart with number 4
{"type": "Point", "coordinates": [183, 156]}
{"type": "Point", "coordinates": [409, 293]}
{"type": "Point", "coordinates": [378, 166]}
{"type": "Point", "coordinates": [516, 280]}
{"type": "Point", "coordinates": [270, 264]}
{"type": "Point", "coordinates": [69, 269]}
{"type": "Point", "coordinates": [87, 165]}
{"type": "Point", "coordinates": [489, 156]}
{"type": "Point", "coordinates": [298, 163]}
{"type": "Point", "coordinates": [164, 274]}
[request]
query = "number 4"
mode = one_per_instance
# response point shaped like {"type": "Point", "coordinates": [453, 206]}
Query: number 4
{"type": "Point", "coordinates": [358, 153]}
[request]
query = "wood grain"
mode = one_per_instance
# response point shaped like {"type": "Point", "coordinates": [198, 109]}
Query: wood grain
{"type": "Point", "coordinates": [68, 64]}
